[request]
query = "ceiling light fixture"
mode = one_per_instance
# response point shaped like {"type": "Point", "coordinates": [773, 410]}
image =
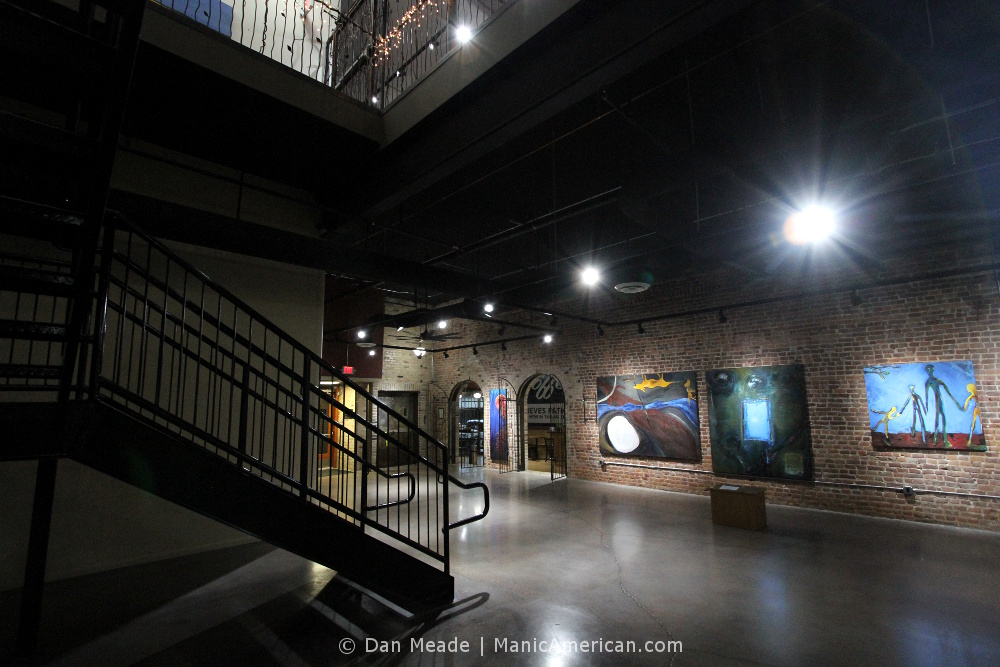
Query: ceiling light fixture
{"type": "Point", "coordinates": [463, 34]}
{"type": "Point", "coordinates": [810, 225]}
{"type": "Point", "coordinates": [547, 338]}
{"type": "Point", "coordinates": [362, 334]}
{"type": "Point", "coordinates": [400, 328]}
{"type": "Point", "coordinates": [371, 353]}
{"type": "Point", "coordinates": [374, 99]}
{"type": "Point", "coordinates": [488, 307]}
{"type": "Point", "coordinates": [477, 395]}
{"type": "Point", "coordinates": [590, 276]}
{"type": "Point", "coordinates": [443, 324]}
{"type": "Point", "coordinates": [420, 352]}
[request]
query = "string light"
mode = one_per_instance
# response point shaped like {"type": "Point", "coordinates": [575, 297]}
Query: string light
{"type": "Point", "coordinates": [384, 44]}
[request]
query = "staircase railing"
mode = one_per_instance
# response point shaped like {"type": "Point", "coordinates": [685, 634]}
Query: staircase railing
{"type": "Point", "coordinates": [172, 347]}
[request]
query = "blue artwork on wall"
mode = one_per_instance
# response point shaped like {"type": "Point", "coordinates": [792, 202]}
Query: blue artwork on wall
{"type": "Point", "coordinates": [758, 420]}
{"type": "Point", "coordinates": [215, 14]}
{"type": "Point", "coordinates": [498, 424]}
{"type": "Point", "coordinates": [924, 405]}
{"type": "Point", "coordinates": [649, 415]}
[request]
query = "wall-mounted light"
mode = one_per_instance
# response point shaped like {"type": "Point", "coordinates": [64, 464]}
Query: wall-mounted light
{"type": "Point", "coordinates": [488, 307]}
{"type": "Point", "coordinates": [475, 350]}
{"type": "Point", "coordinates": [400, 328]}
{"type": "Point", "coordinates": [547, 338]}
{"type": "Point", "coordinates": [374, 99]}
{"type": "Point", "coordinates": [443, 324]}
{"type": "Point", "coordinates": [722, 317]}
{"type": "Point", "coordinates": [371, 353]}
{"type": "Point", "coordinates": [419, 352]}
{"type": "Point", "coordinates": [640, 329]}
{"type": "Point", "coordinates": [600, 330]}
{"type": "Point", "coordinates": [503, 346]}
{"type": "Point", "coordinates": [446, 354]}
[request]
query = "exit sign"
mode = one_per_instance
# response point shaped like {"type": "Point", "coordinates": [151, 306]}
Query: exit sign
{"type": "Point", "coordinates": [348, 370]}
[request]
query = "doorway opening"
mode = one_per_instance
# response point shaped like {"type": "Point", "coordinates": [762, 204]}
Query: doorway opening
{"type": "Point", "coordinates": [466, 432]}
{"type": "Point", "coordinates": [542, 404]}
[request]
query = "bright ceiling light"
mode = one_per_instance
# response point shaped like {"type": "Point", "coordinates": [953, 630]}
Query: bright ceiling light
{"type": "Point", "coordinates": [371, 353]}
{"type": "Point", "coordinates": [810, 225]}
{"type": "Point", "coordinates": [420, 352]}
{"type": "Point", "coordinates": [362, 333]}
{"type": "Point", "coordinates": [488, 307]}
{"type": "Point", "coordinates": [443, 324]}
{"type": "Point", "coordinates": [547, 338]}
{"type": "Point", "coordinates": [374, 99]}
{"type": "Point", "coordinates": [477, 395]}
{"type": "Point", "coordinates": [463, 34]}
{"type": "Point", "coordinates": [590, 276]}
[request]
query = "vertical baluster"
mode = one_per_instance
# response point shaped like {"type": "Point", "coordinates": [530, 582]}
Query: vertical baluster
{"type": "Point", "coordinates": [306, 382]}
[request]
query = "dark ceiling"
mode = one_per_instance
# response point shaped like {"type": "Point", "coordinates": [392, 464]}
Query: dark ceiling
{"type": "Point", "coordinates": [694, 157]}
{"type": "Point", "coordinates": [652, 139]}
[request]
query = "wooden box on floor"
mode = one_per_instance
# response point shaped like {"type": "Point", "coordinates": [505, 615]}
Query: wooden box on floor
{"type": "Point", "coordinates": [738, 506]}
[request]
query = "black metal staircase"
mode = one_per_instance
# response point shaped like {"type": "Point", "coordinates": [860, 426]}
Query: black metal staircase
{"type": "Point", "coordinates": [114, 350]}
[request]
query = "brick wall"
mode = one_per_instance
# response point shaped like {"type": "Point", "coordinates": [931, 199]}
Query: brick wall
{"type": "Point", "coordinates": [947, 318]}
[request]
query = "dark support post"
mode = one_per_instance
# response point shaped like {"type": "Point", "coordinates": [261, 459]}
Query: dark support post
{"type": "Point", "coordinates": [304, 446]}
{"type": "Point", "coordinates": [38, 548]}
{"type": "Point", "coordinates": [244, 406]}
{"type": "Point", "coordinates": [447, 522]}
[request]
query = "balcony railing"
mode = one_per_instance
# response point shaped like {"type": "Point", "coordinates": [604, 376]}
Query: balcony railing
{"type": "Point", "coordinates": [371, 50]}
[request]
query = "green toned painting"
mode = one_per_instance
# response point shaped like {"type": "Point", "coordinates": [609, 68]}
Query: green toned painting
{"type": "Point", "coordinates": [758, 420]}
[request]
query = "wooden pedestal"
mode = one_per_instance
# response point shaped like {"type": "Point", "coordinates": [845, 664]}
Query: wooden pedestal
{"type": "Point", "coordinates": [738, 506]}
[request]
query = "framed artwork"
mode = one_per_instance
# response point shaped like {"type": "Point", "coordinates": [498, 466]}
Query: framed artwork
{"type": "Point", "coordinates": [758, 421]}
{"type": "Point", "coordinates": [649, 415]}
{"type": "Point", "coordinates": [932, 405]}
{"type": "Point", "coordinates": [498, 425]}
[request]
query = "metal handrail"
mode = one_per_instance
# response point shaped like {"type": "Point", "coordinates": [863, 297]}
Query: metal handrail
{"type": "Point", "coordinates": [486, 497]}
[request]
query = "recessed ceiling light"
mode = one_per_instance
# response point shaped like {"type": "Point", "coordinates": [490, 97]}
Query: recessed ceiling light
{"type": "Point", "coordinates": [443, 324]}
{"type": "Point", "coordinates": [463, 34]}
{"type": "Point", "coordinates": [371, 353]}
{"type": "Point", "coordinates": [488, 307]}
{"type": "Point", "coordinates": [547, 338]}
{"type": "Point", "coordinates": [362, 333]}
{"type": "Point", "coordinates": [590, 276]}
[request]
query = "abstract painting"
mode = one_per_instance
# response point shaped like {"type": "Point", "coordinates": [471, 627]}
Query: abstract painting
{"type": "Point", "coordinates": [758, 420]}
{"type": "Point", "coordinates": [649, 415]}
{"type": "Point", "coordinates": [924, 405]}
{"type": "Point", "coordinates": [498, 424]}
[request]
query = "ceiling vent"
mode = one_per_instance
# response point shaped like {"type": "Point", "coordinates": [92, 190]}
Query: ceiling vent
{"type": "Point", "coordinates": [633, 287]}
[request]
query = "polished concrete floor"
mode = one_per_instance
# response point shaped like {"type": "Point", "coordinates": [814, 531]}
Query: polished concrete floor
{"type": "Point", "coordinates": [576, 562]}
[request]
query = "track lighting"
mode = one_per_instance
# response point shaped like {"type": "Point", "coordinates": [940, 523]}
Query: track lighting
{"type": "Point", "coordinates": [640, 329]}
{"type": "Point", "coordinates": [722, 317]}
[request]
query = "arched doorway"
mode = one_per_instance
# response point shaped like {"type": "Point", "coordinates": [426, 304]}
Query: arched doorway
{"type": "Point", "coordinates": [465, 421]}
{"type": "Point", "coordinates": [542, 406]}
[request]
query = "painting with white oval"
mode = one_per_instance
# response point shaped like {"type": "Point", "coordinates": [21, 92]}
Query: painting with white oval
{"type": "Point", "coordinates": [649, 415]}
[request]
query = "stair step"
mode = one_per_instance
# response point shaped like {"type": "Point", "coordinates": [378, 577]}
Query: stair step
{"type": "Point", "coordinates": [35, 281]}
{"type": "Point", "coordinates": [15, 129]}
{"type": "Point", "coordinates": [35, 221]}
{"type": "Point", "coordinates": [30, 371]}
{"type": "Point", "coordinates": [32, 330]}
